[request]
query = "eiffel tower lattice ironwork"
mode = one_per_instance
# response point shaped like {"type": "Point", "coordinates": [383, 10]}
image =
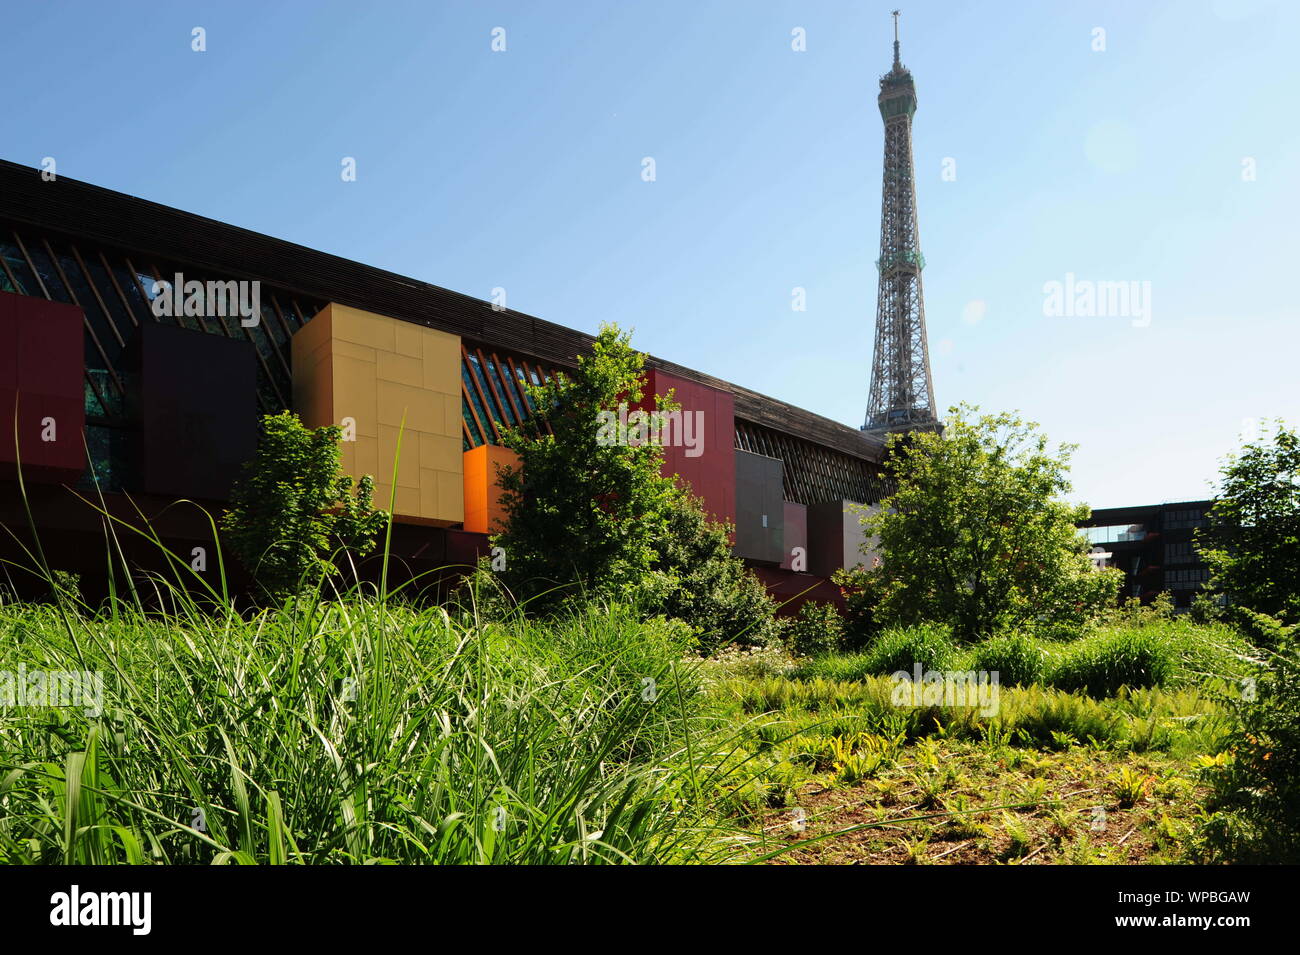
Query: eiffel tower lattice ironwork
{"type": "Point", "coordinates": [902, 392]}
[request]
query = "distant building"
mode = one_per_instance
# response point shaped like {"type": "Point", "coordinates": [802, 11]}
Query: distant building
{"type": "Point", "coordinates": [1153, 545]}
{"type": "Point", "coordinates": [140, 344]}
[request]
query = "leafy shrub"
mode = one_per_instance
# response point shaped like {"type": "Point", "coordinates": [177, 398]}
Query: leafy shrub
{"type": "Point", "coordinates": [66, 585]}
{"type": "Point", "coordinates": [901, 648]}
{"type": "Point", "coordinates": [1017, 659]}
{"type": "Point", "coordinates": [1259, 628]}
{"type": "Point", "coordinates": [862, 590]}
{"type": "Point", "coordinates": [818, 628]}
{"type": "Point", "coordinates": [1257, 790]}
{"type": "Point", "coordinates": [1161, 607]}
{"type": "Point", "coordinates": [1206, 608]}
{"type": "Point", "coordinates": [707, 586]}
{"type": "Point", "coordinates": [1100, 665]}
{"type": "Point", "coordinates": [584, 514]}
{"type": "Point", "coordinates": [1132, 612]}
{"type": "Point", "coordinates": [294, 511]}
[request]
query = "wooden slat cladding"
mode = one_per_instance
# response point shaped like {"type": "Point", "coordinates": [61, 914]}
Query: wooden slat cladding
{"type": "Point", "coordinates": [814, 473]}
{"type": "Point", "coordinates": [158, 232]}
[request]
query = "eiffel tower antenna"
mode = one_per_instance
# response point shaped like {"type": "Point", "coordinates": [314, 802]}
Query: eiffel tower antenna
{"type": "Point", "coordinates": [902, 393]}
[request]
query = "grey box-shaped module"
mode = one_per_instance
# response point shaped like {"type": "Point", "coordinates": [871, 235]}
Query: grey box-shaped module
{"type": "Point", "coordinates": [760, 508]}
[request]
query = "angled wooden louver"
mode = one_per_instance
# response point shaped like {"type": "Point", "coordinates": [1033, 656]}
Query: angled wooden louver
{"type": "Point", "coordinates": [811, 473]}
{"type": "Point", "coordinates": [493, 397]}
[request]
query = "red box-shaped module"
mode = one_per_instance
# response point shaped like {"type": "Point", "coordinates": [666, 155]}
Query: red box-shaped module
{"type": "Point", "coordinates": [42, 389]}
{"type": "Point", "coordinates": [701, 450]}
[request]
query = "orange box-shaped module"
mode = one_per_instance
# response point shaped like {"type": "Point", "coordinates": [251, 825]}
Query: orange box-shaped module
{"type": "Point", "coordinates": [483, 511]}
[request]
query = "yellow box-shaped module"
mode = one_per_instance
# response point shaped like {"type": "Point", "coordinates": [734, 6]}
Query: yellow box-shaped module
{"type": "Point", "coordinates": [381, 378]}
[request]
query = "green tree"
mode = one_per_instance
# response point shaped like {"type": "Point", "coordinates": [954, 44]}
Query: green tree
{"type": "Point", "coordinates": [590, 515]}
{"type": "Point", "coordinates": [584, 514]}
{"type": "Point", "coordinates": [294, 512]}
{"type": "Point", "coordinates": [1252, 541]}
{"type": "Point", "coordinates": [976, 535]}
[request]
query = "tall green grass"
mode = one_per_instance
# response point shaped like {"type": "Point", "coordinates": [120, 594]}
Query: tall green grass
{"type": "Point", "coordinates": [356, 731]}
{"type": "Point", "coordinates": [346, 726]}
{"type": "Point", "coordinates": [349, 725]}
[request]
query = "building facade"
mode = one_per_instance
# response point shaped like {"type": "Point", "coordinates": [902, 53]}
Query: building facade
{"type": "Point", "coordinates": [1154, 546]}
{"type": "Point", "coordinates": [143, 343]}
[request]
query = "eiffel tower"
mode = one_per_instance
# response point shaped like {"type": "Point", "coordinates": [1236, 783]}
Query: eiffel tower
{"type": "Point", "coordinates": [902, 393]}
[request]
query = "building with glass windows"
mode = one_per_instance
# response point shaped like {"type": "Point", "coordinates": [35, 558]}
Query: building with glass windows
{"type": "Point", "coordinates": [142, 343]}
{"type": "Point", "coordinates": [1155, 548]}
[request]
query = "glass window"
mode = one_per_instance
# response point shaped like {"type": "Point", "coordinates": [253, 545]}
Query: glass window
{"type": "Point", "coordinates": [117, 311]}
{"type": "Point", "coordinates": [127, 283]}
{"type": "Point", "coordinates": [273, 327]}
{"type": "Point", "coordinates": [16, 265]}
{"type": "Point", "coordinates": [475, 438]}
{"type": "Point", "coordinates": [102, 399]}
{"type": "Point", "coordinates": [486, 390]}
{"type": "Point", "coordinates": [103, 326]}
{"type": "Point", "coordinates": [502, 392]}
{"type": "Point", "coordinates": [475, 401]}
{"type": "Point", "coordinates": [1116, 533]}
{"type": "Point", "coordinates": [108, 449]}
{"type": "Point", "coordinates": [45, 271]}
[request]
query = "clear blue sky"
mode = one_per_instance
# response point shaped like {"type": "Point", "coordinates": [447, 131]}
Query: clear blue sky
{"type": "Point", "coordinates": [522, 170]}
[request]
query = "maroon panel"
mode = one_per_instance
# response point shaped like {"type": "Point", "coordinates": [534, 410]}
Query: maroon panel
{"type": "Point", "coordinates": [709, 467]}
{"type": "Point", "coordinates": [8, 345]}
{"type": "Point", "coordinates": [796, 534]}
{"type": "Point", "coordinates": [464, 547]}
{"type": "Point", "coordinates": [791, 591]}
{"type": "Point", "coordinates": [42, 375]}
{"type": "Point", "coordinates": [196, 401]}
{"type": "Point", "coordinates": [826, 537]}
